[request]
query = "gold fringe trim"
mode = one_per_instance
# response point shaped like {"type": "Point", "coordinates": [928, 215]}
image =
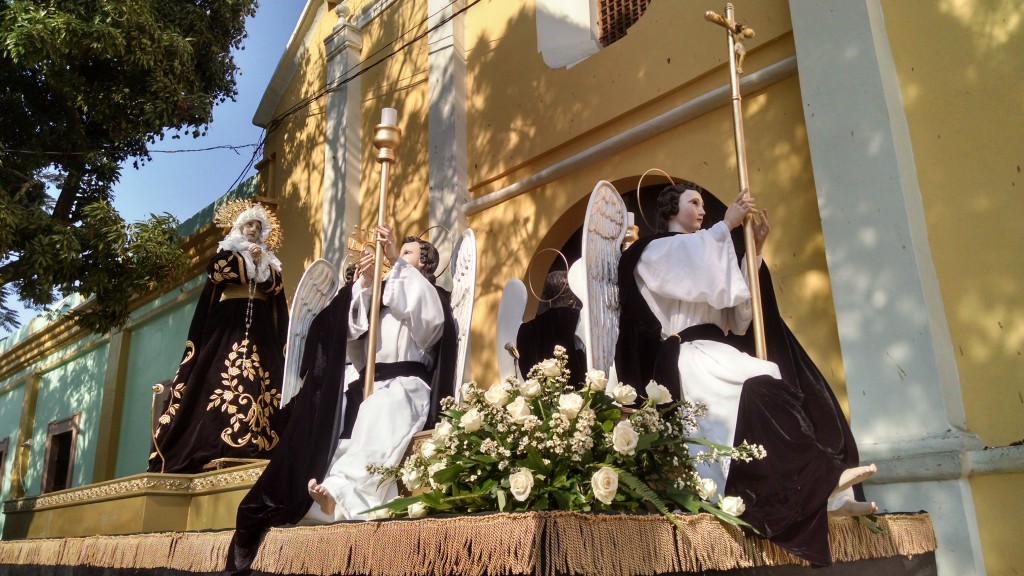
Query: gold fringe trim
{"type": "Point", "coordinates": [584, 544]}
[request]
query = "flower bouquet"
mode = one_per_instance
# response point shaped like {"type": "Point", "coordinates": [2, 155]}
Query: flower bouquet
{"type": "Point", "coordinates": [544, 445]}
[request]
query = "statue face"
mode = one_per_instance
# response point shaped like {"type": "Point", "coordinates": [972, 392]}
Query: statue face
{"type": "Point", "coordinates": [252, 230]}
{"type": "Point", "coordinates": [691, 212]}
{"type": "Point", "coordinates": [411, 254]}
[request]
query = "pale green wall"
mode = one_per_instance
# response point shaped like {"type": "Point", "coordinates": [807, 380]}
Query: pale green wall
{"type": "Point", "coordinates": [154, 352]}
{"type": "Point", "coordinates": [10, 419]}
{"type": "Point", "coordinates": [74, 385]}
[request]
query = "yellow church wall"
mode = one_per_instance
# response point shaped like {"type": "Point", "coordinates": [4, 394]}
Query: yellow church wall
{"type": "Point", "coordinates": [401, 83]}
{"type": "Point", "coordinates": [294, 153]}
{"type": "Point", "coordinates": [701, 151]}
{"type": "Point", "coordinates": [521, 111]}
{"type": "Point", "coordinates": [999, 503]}
{"type": "Point", "coordinates": [961, 79]}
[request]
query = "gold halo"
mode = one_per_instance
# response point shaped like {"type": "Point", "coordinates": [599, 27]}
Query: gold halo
{"type": "Point", "coordinates": [640, 206]}
{"type": "Point", "coordinates": [529, 277]}
{"type": "Point", "coordinates": [226, 213]}
{"type": "Point", "coordinates": [448, 235]}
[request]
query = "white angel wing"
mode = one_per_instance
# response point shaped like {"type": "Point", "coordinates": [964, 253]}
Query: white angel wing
{"type": "Point", "coordinates": [510, 317]}
{"type": "Point", "coordinates": [463, 293]}
{"type": "Point", "coordinates": [316, 288]}
{"type": "Point", "coordinates": [603, 230]}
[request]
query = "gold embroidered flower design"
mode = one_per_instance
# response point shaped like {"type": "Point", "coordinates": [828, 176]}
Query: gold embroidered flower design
{"type": "Point", "coordinates": [250, 416]}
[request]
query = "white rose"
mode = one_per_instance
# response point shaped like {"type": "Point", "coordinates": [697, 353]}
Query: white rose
{"type": "Point", "coordinates": [471, 420]}
{"type": "Point", "coordinates": [530, 388]}
{"type": "Point", "coordinates": [417, 510]}
{"type": "Point", "coordinates": [496, 395]}
{"type": "Point", "coordinates": [549, 368]}
{"type": "Point", "coordinates": [381, 514]}
{"type": "Point", "coordinates": [624, 438]}
{"type": "Point", "coordinates": [732, 505]}
{"type": "Point", "coordinates": [434, 469]}
{"type": "Point", "coordinates": [442, 430]}
{"type": "Point", "coordinates": [428, 449]}
{"type": "Point", "coordinates": [519, 410]}
{"type": "Point", "coordinates": [707, 489]}
{"type": "Point", "coordinates": [411, 478]}
{"type": "Point", "coordinates": [570, 404]}
{"type": "Point", "coordinates": [658, 393]}
{"type": "Point", "coordinates": [596, 380]}
{"type": "Point", "coordinates": [521, 483]}
{"type": "Point", "coordinates": [604, 483]}
{"type": "Point", "coordinates": [625, 394]}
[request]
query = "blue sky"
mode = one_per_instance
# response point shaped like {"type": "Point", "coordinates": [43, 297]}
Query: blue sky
{"type": "Point", "coordinates": [184, 183]}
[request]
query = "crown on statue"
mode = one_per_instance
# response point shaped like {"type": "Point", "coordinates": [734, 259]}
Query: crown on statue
{"type": "Point", "coordinates": [227, 215]}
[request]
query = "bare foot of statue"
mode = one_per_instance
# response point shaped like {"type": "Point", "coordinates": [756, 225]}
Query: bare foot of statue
{"type": "Point", "coordinates": [854, 508]}
{"type": "Point", "coordinates": [852, 476]}
{"type": "Point", "coordinates": [321, 496]}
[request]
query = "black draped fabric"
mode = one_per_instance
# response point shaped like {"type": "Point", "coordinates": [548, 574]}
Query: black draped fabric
{"type": "Point", "coordinates": [797, 419]}
{"type": "Point", "coordinates": [442, 384]}
{"type": "Point", "coordinates": [537, 339]}
{"type": "Point", "coordinates": [280, 494]}
{"type": "Point", "coordinates": [224, 398]}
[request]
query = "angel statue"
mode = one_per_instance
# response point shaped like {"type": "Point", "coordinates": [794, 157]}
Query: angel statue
{"type": "Point", "coordinates": [223, 401]}
{"type": "Point", "coordinates": [320, 474]}
{"type": "Point", "coordinates": [685, 306]}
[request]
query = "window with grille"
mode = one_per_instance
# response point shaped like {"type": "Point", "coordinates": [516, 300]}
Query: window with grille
{"type": "Point", "coordinates": [616, 16]}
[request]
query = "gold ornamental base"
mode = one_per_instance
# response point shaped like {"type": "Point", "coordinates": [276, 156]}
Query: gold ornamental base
{"type": "Point", "coordinates": [539, 543]}
{"type": "Point", "coordinates": [140, 503]}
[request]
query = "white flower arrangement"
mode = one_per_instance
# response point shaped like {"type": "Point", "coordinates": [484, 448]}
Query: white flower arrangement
{"type": "Point", "coordinates": [545, 445]}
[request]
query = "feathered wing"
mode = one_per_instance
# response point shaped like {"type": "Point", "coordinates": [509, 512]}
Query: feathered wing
{"type": "Point", "coordinates": [316, 288]}
{"type": "Point", "coordinates": [463, 294]}
{"type": "Point", "coordinates": [603, 230]}
{"type": "Point", "coordinates": [510, 317]}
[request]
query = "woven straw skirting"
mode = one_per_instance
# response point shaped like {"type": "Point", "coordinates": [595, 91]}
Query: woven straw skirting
{"type": "Point", "coordinates": [540, 543]}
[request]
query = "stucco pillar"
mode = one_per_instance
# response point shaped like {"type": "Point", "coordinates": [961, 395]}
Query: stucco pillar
{"type": "Point", "coordinates": [904, 391]}
{"type": "Point", "coordinates": [448, 172]}
{"type": "Point", "coordinates": [343, 140]}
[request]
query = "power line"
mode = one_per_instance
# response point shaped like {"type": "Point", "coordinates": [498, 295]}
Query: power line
{"type": "Point", "coordinates": [116, 151]}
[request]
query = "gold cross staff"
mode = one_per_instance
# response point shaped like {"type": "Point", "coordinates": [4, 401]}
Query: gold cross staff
{"type": "Point", "coordinates": [735, 33]}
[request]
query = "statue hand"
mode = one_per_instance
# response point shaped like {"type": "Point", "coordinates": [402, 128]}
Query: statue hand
{"type": "Point", "coordinates": [761, 230]}
{"type": "Point", "coordinates": [739, 208]}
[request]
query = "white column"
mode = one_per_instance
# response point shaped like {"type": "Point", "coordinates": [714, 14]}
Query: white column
{"type": "Point", "coordinates": [343, 141]}
{"type": "Point", "coordinates": [448, 165]}
{"type": "Point", "coordinates": [904, 391]}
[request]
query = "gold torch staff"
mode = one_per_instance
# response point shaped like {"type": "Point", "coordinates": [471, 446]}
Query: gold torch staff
{"type": "Point", "coordinates": [386, 137]}
{"type": "Point", "coordinates": [735, 33]}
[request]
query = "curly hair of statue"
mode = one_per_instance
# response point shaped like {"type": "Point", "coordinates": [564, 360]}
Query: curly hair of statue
{"type": "Point", "coordinates": [425, 235]}
{"type": "Point", "coordinates": [529, 277]}
{"type": "Point", "coordinates": [228, 211]}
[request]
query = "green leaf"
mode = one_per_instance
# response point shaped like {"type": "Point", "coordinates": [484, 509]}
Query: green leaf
{"type": "Point", "coordinates": [448, 475]}
{"type": "Point", "coordinates": [502, 500]}
{"type": "Point", "coordinates": [644, 441]}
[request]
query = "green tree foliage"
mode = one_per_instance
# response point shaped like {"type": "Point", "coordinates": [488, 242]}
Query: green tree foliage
{"type": "Point", "coordinates": [86, 85]}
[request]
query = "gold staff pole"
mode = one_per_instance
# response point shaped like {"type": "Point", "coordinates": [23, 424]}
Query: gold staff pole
{"type": "Point", "coordinates": [386, 137]}
{"type": "Point", "coordinates": [735, 33]}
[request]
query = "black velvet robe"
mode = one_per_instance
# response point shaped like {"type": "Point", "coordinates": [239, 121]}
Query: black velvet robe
{"type": "Point", "coordinates": [537, 339]}
{"type": "Point", "coordinates": [216, 407]}
{"type": "Point", "coordinates": [797, 419]}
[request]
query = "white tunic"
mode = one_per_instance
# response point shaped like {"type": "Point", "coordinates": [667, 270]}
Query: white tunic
{"type": "Point", "coordinates": [692, 279]}
{"type": "Point", "coordinates": [411, 324]}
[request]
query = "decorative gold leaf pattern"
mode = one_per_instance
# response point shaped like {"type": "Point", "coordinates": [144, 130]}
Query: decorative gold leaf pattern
{"type": "Point", "coordinates": [249, 414]}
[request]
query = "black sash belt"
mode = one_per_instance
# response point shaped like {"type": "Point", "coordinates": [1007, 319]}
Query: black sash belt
{"type": "Point", "coordinates": [389, 370]}
{"type": "Point", "coordinates": [666, 366]}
